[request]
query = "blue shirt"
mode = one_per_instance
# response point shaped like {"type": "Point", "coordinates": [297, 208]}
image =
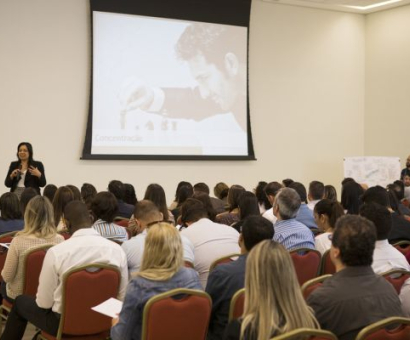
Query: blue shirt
{"type": "Point", "coordinates": [139, 291]}
{"type": "Point", "coordinates": [223, 282]}
{"type": "Point", "coordinates": [7, 226]}
{"type": "Point", "coordinates": [293, 234]}
{"type": "Point", "coordinates": [305, 216]}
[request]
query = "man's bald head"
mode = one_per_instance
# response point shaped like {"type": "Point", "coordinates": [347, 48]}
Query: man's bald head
{"type": "Point", "coordinates": [77, 216]}
{"type": "Point", "coordinates": [147, 212]}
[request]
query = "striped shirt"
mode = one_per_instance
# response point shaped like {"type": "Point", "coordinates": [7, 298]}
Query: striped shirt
{"type": "Point", "coordinates": [111, 231]}
{"type": "Point", "coordinates": [293, 234]}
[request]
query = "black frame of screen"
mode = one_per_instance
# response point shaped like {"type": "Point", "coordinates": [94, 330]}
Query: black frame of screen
{"type": "Point", "coordinates": [228, 12]}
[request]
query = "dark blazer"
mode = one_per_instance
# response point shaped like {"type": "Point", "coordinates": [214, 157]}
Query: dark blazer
{"type": "Point", "coordinates": [30, 181]}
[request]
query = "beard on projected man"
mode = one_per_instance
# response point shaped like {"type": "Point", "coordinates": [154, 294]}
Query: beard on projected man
{"type": "Point", "coordinates": [216, 58]}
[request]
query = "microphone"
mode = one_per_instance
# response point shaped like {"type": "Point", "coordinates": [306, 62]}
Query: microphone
{"type": "Point", "coordinates": [19, 174]}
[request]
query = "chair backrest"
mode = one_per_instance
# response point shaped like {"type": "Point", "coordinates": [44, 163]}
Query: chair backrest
{"type": "Point", "coordinates": [181, 314]}
{"type": "Point", "coordinates": [306, 334]}
{"type": "Point", "coordinates": [306, 262]}
{"type": "Point", "coordinates": [189, 264]}
{"type": "Point", "coordinates": [327, 266]}
{"type": "Point", "coordinates": [85, 287]}
{"type": "Point", "coordinates": [5, 238]}
{"type": "Point", "coordinates": [224, 259]}
{"type": "Point", "coordinates": [403, 247]}
{"type": "Point", "coordinates": [123, 222]}
{"type": "Point", "coordinates": [237, 304]}
{"type": "Point", "coordinates": [396, 277]}
{"type": "Point", "coordinates": [309, 286]}
{"type": "Point", "coordinates": [381, 331]}
{"type": "Point", "coordinates": [32, 263]}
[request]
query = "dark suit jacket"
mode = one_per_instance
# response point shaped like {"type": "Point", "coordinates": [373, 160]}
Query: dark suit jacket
{"type": "Point", "coordinates": [30, 181]}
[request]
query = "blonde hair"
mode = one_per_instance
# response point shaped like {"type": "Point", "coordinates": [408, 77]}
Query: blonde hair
{"type": "Point", "coordinates": [162, 256]}
{"type": "Point", "coordinates": [39, 219]}
{"type": "Point", "coordinates": [273, 300]}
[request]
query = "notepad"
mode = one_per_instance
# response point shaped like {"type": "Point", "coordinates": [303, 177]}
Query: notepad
{"type": "Point", "coordinates": [110, 307]}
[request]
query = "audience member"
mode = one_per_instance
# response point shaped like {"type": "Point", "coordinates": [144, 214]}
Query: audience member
{"type": "Point", "coordinates": [39, 229]}
{"type": "Point", "coordinates": [286, 182]}
{"type": "Point", "coordinates": [273, 300]}
{"type": "Point", "coordinates": [304, 215]}
{"type": "Point", "coordinates": [326, 214]}
{"type": "Point", "coordinates": [288, 231]}
{"type": "Point", "coordinates": [351, 194]}
{"type": "Point", "coordinates": [184, 192]}
{"type": "Point", "coordinates": [104, 208]}
{"type": "Point", "coordinates": [76, 192]}
{"type": "Point", "coordinates": [211, 240]}
{"type": "Point", "coordinates": [217, 203]}
{"type": "Point", "coordinates": [355, 296]}
{"type": "Point", "coordinates": [232, 215]}
{"type": "Point", "coordinates": [49, 191]}
{"type": "Point", "coordinates": [406, 170]}
{"type": "Point", "coordinates": [226, 279]}
{"type": "Point", "coordinates": [330, 193]}
{"type": "Point", "coordinates": [147, 213]}
{"type": "Point", "coordinates": [88, 192]}
{"type": "Point", "coordinates": [206, 201]}
{"type": "Point", "coordinates": [315, 194]}
{"type": "Point", "coordinates": [85, 246]}
{"type": "Point", "coordinates": [175, 202]}
{"type": "Point", "coordinates": [398, 188]}
{"type": "Point", "coordinates": [11, 218]}
{"type": "Point", "coordinates": [221, 190]}
{"type": "Point", "coordinates": [263, 201]}
{"type": "Point", "coordinates": [271, 191]}
{"type": "Point", "coordinates": [26, 196]}
{"type": "Point", "coordinates": [247, 206]}
{"type": "Point", "coordinates": [155, 193]}
{"type": "Point", "coordinates": [161, 270]}
{"type": "Point", "coordinates": [118, 190]}
{"type": "Point", "coordinates": [130, 197]}
{"type": "Point", "coordinates": [400, 226]}
{"type": "Point", "coordinates": [63, 196]}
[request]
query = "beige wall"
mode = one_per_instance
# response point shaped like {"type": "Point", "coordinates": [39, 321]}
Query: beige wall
{"type": "Point", "coordinates": [307, 93]}
{"type": "Point", "coordinates": [388, 83]}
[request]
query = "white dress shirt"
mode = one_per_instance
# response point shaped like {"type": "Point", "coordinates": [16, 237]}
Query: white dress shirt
{"type": "Point", "coordinates": [85, 246]}
{"type": "Point", "coordinates": [268, 214]}
{"type": "Point", "coordinates": [211, 241]}
{"type": "Point", "coordinates": [322, 242]}
{"type": "Point", "coordinates": [134, 248]}
{"type": "Point", "coordinates": [386, 257]}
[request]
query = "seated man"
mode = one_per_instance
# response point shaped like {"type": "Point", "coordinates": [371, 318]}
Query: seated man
{"type": "Point", "coordinates": [305, 214]}
{"type": "Point", "coordinates": [355, 296]}
{"type": "Point", "coordinates": [271, 191]}
{"type": "Point", "coordinates": [118, 190]}
{"type": "Point", "coordinates": [226, 279]}
{"type": "Point", "coordinates": [104, 207]}
{"type": "Point", "coordinates": [85, 246]}
{"type": "Point", "coordinates": [211, 240]}
{"type": "Point", "coordinates": [315, 193]}
{"type": "Point", "coordinates": [147, 213]}
{"type": "Point", "coordinates": [288, 231]}
{"type": "Point", "coordinates": [217, 204]}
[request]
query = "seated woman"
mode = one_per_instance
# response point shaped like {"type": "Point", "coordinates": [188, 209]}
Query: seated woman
{"type": "Point", "coordinates": [326, 213]}
{"type": "Point", "coordinates": [156, 194]}
{"type": "Point", "coordinates": [247, 206]}
{"type": "Point", "coordinates": [161, 270]}
{"type": "Point", "coordinates": [11, 218]}
{"type": "Point", "coordinates": [231, 216]}
{"type": "Point", "coordinates": [273, 300]}
{"type": "Point", "coordinates": [39, 229]}
{"type": "Point", "coordinates": [62, 197]}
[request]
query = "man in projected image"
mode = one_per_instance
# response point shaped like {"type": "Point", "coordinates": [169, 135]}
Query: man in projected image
{"type": "Point", "coordinates": [216, 57]}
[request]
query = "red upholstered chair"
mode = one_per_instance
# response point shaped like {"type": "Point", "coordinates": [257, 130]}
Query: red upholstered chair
{"type": "Point", "coordinates": [309, 286]}
{"type": "Point", "coordinates": [65, 234]}
{"type": "Point", "coordinates": [396, 277]}
{"type": "Point", "coordinates": [188, 264]}
{"type": "Point", "coordinates": [381, 331]}
{"type": "Point", "coordinates": [180, 314]}
{"type": "Point", "coordinates": [306, 334]}
{"type": "Point", "coordinates": [402, 246]}
{"type": "Point", "coordinates": [5, 239]}
{"type": "Point", "coordinates": [85, 287]}
{"type": "Point", "coordinates": [237, 304]}
{"type": "Point", "coordinates": [123, 222]}
{"type": "Point", "coordinates": [327, 266]}
{"type": "Point", "coordinates": [32, 264]}
{"type": "Point", "coordinates": [306, 262]}
{"type": "Point", "coordinates": [224, 259]}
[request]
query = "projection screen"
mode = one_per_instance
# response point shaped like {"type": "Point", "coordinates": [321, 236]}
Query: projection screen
{"type": "Point", "coordinates": [168, 86]}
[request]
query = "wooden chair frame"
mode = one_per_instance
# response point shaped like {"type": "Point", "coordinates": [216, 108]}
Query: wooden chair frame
{"type": "Point", "coordinates": [380, 325]}
{"type": "Point", "coordinates": [396, 271]}
{"type": "Point", "coordinates": [309, 283]}
{"type": "Point", "coordinates": [217, 261]}
{"type": "Point", "coordinates": [234, 300]}
{"type": "Point", "coordinates": [300, 332]}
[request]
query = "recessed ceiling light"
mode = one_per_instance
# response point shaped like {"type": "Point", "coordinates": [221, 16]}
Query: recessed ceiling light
{"type": "Point", "coordinates": [364, 8]}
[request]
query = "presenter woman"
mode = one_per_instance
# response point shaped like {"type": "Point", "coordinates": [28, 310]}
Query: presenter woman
{"type": "Point", "coordinates": [25, 172]}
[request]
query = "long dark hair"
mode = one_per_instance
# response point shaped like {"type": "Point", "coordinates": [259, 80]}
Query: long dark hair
{"type": "Point", "coordinates": [30, 152]}
{"type": "Point", "coordinates": [156, 194]}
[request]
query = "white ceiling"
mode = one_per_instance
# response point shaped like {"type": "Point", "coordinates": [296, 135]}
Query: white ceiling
{"type": "Point", "coordinates": [355, 6]}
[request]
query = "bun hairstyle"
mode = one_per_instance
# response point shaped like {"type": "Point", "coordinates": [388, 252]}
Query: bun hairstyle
{"type": "Point", "coordinates": [332, 209]}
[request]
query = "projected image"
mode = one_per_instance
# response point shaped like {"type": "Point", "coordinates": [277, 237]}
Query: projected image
{"type": "Point", "coordinates": [168, 87]}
